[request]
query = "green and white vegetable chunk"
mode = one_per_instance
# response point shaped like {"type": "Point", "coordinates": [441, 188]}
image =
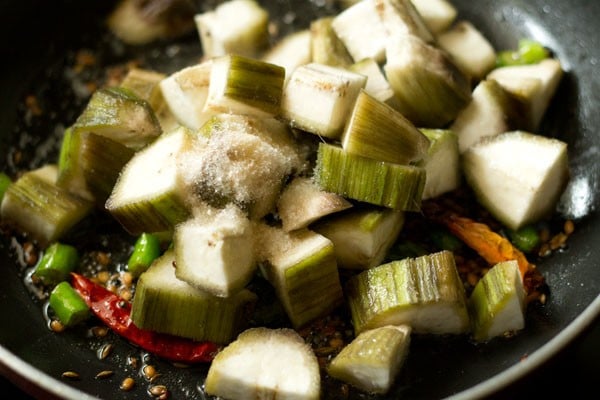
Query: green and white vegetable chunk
{"type": "Point", "coordinates": [377, 84]}
{"type": "Point", "coordinates": [492, 110]}
{"type": "Point", "coordinates": [317, 98]}
{"type": "Point", "coordinates": [164, 303]}
{"type": "Point", "coordinates": [373, 359]}
{"type": "Point", "coordinates": [36, 205]}
{"type": "Point", "coordinates": [375, 130]}
{"type": "Point", "coordinates": [244, 86]}
{"type": "Point", "coordinates": [364, 179]}
{"type": "Point", "coordinates": [185, 93]}
{"type": "Point", "coordinates": [290, 52]}
{"type": "Point", "coordinates": [265, 364]}
{"type": "Point", "coordinates": [429, 87]}
{"type": "Point", "coordinates": [424, 292]}
{"type": "Point", "coordinates": [534, 84]}
{"type": "Point", "coordinates": [498, 302]}
{"type": "Point", "coordinates": [233, 27]}
{"type": "Point", "coordinates": [361, 236]}
{"type": "Point", "coordinates": [148, 196]}
{"type": "Point", "coordinates": [301, 266]}
{"type": "Point", "coordinates": [517, 176]}
{"type": "Point", "coordinates": [442, 164]}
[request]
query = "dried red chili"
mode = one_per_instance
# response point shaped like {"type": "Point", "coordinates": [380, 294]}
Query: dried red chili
{"type": "Point", "coordinates": [115, 313]}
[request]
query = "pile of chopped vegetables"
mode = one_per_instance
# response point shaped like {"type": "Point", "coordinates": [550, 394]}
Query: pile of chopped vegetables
{"type": "Point", "coordinates": [379, 171]}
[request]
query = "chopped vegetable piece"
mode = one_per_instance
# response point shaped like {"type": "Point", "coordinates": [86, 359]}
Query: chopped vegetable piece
{"type": "Point", "coordinates": [118, 114]}
{"type": "Point", "coordinates": [115, 313]}
{"type": "Point", "coordinates": [244, 86]}
{"type": "Point", "coordinates": [166, 304]}
{"type": "Point", "coordinates": [301, 266]}
{"type": "Point", "coordinates": [375, 130]}
{"type": "Point", "coordinates": [361, 236]}
{"type": "Point", "coordinates": [90, 164]}
{"type": "Point", "coordinates": [318, 97]}
{"type": "Point", "coordinates": [429, 87]}
{"type": "Point", "coordinates": [469, 49]}
{"type": "Point", "coordinates": [498, 302]}
{"type": "Point", "coordinates": [492, 111]}
{"type": "Point", "coordinates": [517, 176]}
{"type": "Point", "coordinates": [326, 47]}
{"type": "Point", "coordinates": [35, 205]}
{"type": "Point", "coordinates": [145, 251]}
{"type": "Point", "coordinates": [233, 27]}
{"type": "Point", "coordinates": [214, 252]}
{"type": "Point", "coordinates": [425, 293]}
{"type": "Point", "coordinates": [245, 162]}
{"type": "Point", "coordinates": [265, 363]}
{"type": "Point", "coordinates": [148, 196]}
{"type": "Point", "coordinates": [534, 84]}
{"type": "Point", "coordinates": [377, 84]}
{"type": "Point", "coordinates": [442, 163]}
{"type": "Point", "coordinates": [438, 15]}
{"type": "Point", "coordinates": [303, 202]}
{"type": "Point", "coordinates": [364, 179]}
{"type": "Point", "coordinates": [68, 305]}
{"type": "Point", "coordinates": [58, 261]}
{"type": "Point", "coordinates": [366, 26]}
{"type": "Point", "coordinates": [290, 52]}
{"type": "Point", "coordinates": [373, 359]}
{"type": "Point", "coordinates": [185, 93]}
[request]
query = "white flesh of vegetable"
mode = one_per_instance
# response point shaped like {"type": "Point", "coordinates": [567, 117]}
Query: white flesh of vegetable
{"type": "Point", "coordinates": [215, 254]}
{"type": "Point", "coordinates": [152, 172]}
{"type": "Point", "coordinates": [265, 364]}
{"type": "Point", "coordinates": [236, 26]}
{"type": "Point", "coordinates": [517, 176]}
{"type": "Point", "coordinates": [361, 238]}
{"type": "Point", "coordinates": [377, 84]}
{"type": "Point", "coordinates": [470, 50]}
{"type": "Point", "coordinates": [291, 52]}
{"type": "Point", "coordinates": [437, 14]}
{"type": "Point", "coordinates": [517, 79]}
{"type": "Point", "coordinates": [185, 93]}
{"type": "Point", "coordinates": [303, 202]}
{"type": "Point", "coordinates": [362, 31]}
{"type": "Point", "coordinates": [317, 98]}
{"type": "Point", "coordinates": [484, 116]}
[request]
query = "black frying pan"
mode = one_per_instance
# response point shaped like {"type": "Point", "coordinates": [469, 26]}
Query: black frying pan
{"type": "Point", "coordinates": [37, 43]}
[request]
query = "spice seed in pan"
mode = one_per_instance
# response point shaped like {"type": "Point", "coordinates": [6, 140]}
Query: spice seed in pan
{"type": "Point", "coordinates": [56, 326]}
{"type": "Point", "coordinates": [158, 390]}
{"type": "Point", "coordinates": [70, 375]}
{"type": "Point", "coordinates": [127, 384]}
{"type": "Point", "coordinates": [104, 374]}
{"type": "Point", "coordinates": [99, 331]}
{"type": "Point", "coordinates": [149, 371]}
{"type": "Point", "coordinates": [105, 351]}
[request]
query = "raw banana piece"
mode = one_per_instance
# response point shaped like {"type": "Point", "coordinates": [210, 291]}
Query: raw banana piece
{"type": "Point", "coordinates": [497, 303]}
{"type": "Point", "coordinates": [373, 359]}
{"type": "Point", "coordinates": [361, 236]}
{"type": "Point", "coordinates": [34, 204]}
{"type": "Point", "coordinates": [163, 303]}
{"type": "Point", "coordinates": [267, 364]}
{"type": "Point", "coordinates": [424, 292]}
{"type": "Point", "coordinates": [364, 179]}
